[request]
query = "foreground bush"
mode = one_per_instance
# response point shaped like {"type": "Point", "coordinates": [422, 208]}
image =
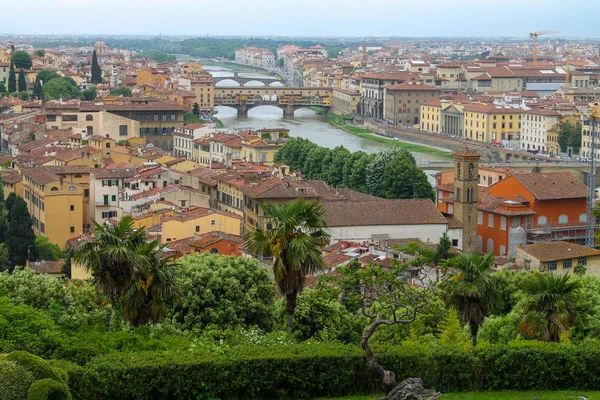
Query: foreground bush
{"type": "Point", "coordinates": [14, 381]}
{"type": "Point", "coordinates": [313, 370]}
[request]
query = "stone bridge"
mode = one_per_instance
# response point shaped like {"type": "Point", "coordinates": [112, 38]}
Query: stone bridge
{"type": "Point", "coordinates": [243, 80]}
{"type": "Point", "coordinates": [287, 98]}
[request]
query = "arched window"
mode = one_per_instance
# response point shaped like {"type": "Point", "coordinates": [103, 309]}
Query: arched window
{"type": "Point", "coordinates": [458, 170]}
{"type": "Point", "coordinates": [583, 217]}
{"type": "Point", "coordinates": [563, 219]}
{"type": "Point", "coordinates": [542, 221]}
{"type": "Point", "coordinates": [156, 132]}
{"type": "Point", "coordinates": [457, 194]}
{"type": "Point", "coordinates": [479, 244]}
{"type": "Point", "coordinates": [490, 245]}
{"type": "Point", "coordinates": [54, 189]}
{"type": "Point", "coordinates": [470, 170]}
{"type": "Point", "coordinates": [72, 188]}
{"type": "Point", "coordinates": [89, 117]}
{"type": "Point", "coordinates": [214, 251]}
{"type": "Point", "coordinates": [89, 130]}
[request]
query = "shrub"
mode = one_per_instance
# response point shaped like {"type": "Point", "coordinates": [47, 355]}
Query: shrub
{"type": "Point", "coordinates": [48, 389]}
{"type": "Point", "coordinates": [39, 368]}
{"type": "Point", "coordinates": [76, 377]}
{"type": "Point", "coordinates": [312, 370]}
{"type": "Point", "coordinates": [14, 381]}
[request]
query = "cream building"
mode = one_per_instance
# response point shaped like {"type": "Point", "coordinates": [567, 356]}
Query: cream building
{"type": "Point", "coordinates": [535, 125]}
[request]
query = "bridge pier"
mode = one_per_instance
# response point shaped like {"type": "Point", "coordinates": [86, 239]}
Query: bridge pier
{"type": "Point", "coordinates": [288, 111]}
{"type": "Point", "coordinates": [242, 111]}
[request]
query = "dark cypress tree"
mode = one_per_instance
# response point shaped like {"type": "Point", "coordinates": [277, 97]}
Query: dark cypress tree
{"type": "Point", "coordinates": [20, 238]}
{"type": "Point", "coordinates": [96, 70]}
{"type": "Point", "coordinates": [443, 250]}
{"type": "Point", "coordinates": [22, 82]}
{"type": "Point", "coordinates": [38, 92]}
{"type": "Point", "coordinates": [12, 79]}
{"type": "Point", "coordinates": [196, 110]}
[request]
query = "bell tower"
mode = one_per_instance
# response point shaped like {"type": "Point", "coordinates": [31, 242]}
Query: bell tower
{"type": "Point", "coordinates": [466, 179]}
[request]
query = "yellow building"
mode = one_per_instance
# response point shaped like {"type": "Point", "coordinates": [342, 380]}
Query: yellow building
{"type": "Point", "coordinates": [552, 146]}
{"type": "Point", "coordinates": [55, 205]}
{"type": "Point", "coordinates": [192, 69]}
{"type": "Point", "coordinates": [488, 122]}
{"type": "Point", "coordinates": [12, 182]}
{"type": "Point", "coordinates": [147, 77]}
{"type": "Point", "coordinates": [558, 257]}
{"type": "Point", "coordinates": [263, 146]}
{"type": "Point", "coordinates": [430, 116]}
{"type": "Point", "coordinates": [198, 221]}
{"type": "Point", "coordinates": [204, 89]}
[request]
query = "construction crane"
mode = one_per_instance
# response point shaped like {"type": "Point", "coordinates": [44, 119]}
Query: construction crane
{"type": "Point", "coordinates": [534, 36]}
{"type": "Point", "coordinates": [568, 72]}
{"type": "Point", "coordinates": [591, 117]}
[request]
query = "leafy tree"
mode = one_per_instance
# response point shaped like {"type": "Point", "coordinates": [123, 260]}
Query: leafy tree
{"type": "Point", "coordinates": [20, 238]}
{"type": "Point", "coordinates": [96, 70]}
{"type": "Point", "coordinates": [394, 174]}
{"type": "Point", "coordinates": [4, 258]}
{"type": "Point", "coordinates": [471, 289]}
{"type": "Point", "coordinates": [38, 92]}
{"type": "Point", "coordinates": [24, 96]}
{"type": "Point", "coordinates": [12, 79]}
{"type": "Point", "coordinates": [3, 90]}
{"type": "Point", "coordinates": [319, 314]}
{"type": "Point", "coordinates": [129, 270]}
{"type": "Point", "coordinates": [580, 269]}
{"type": "Point", "coordinates": [442, 253]}
{"type": "Point", "coordinates": [295, 241]}
{"type": "Point", "coordinates": [196, 110]}
{"type": "Point", "coordinates": [21, 59]}
{"type": "Point", "coordinates": [549, 306]}
{"type": "Point", "coordinates": [387, 298]}
{"type": "Point", "coordinates": [121, 91]}
{"type": "Point", "coordinates": [22, 83]}
{"type": "Point", "coordinates": [40, 53]}
{"type": "Point", "coordinates": [224, 291]}
{"type": "Point", "coordinates": [60, 88]}
{"type": "Point", "coordinates": [570, 136]}
{"type": "Point", "coordinates": [47, 250]}
{"type": "Point", "coordinates": [155, 55]}
{"type": "Point", "coordinates": [335, 173]}
{"type": "Point", "coordinates": [90, 93]}
{"type": "Point", "coordinates": [47, 75]}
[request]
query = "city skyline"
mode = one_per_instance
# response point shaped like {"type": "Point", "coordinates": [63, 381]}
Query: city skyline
{"type": "Point", "coordinates": [491, 18]}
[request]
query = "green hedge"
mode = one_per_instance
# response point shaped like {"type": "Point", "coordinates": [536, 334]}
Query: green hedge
{"type": "Point", "coordinates": [14, 380]}
{"type": "Point", "coordinates": [307, 371]}
{"type": "Point", "coordinates": [48, 389]}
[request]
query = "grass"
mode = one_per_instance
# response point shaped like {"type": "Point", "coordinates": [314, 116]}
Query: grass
{"type": "Point", "coordinates": [369, 135]}
{"type": "Point", "coordinates": [317, 109]}
{"type": "Point", "coordinates": [218, 122]}
{"type": "Point", "coordinates": [507, 395]}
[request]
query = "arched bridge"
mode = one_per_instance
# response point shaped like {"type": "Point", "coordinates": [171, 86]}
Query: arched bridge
{"type": "Point", "coordinates": [242, 80]}
{"type": "Point", "coordinates": [286, 98]}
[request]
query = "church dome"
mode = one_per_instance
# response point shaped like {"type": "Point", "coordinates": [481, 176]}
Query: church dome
{"type": "Point", "coordinates": [100, 47]}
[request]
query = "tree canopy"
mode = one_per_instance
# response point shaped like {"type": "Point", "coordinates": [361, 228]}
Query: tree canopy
{"type": "Point", "coordinates": [121, 91]}
{"type": "Point", "coordinates": [155, 55]}
{"type": "Point", "coordinates": [21, 59]}
{"type": "Point", "coordinates": [569, 136]}
{"type": "Point", "coordinates": [224, 291]}
{"type": "Point", "coordinates": [391, 174]}
{"type": "Point", "coordinates": [46, 75]}
{"type": "Point", "coordinates": [61, 88]}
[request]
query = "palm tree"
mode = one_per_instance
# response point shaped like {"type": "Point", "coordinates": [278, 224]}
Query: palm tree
{"type": "Point", "coordinates": [553, 297]}
{"type": "Point", "coordinates": [471, 289]}
{"type": "Point", "coordinates": [153, 286]}
{"type": "Point", "coordinates": [295, 240]}
{"type": "Point", "coordinates": [129, 270]}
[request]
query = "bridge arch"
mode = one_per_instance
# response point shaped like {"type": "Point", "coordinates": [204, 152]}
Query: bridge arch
{"type": "Point", "coordinates": [227, 82]}
{"type": "Point", "coordinates": [253, 82]}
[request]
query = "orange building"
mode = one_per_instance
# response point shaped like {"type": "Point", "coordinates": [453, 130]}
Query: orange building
{"type": "Point", "coordinates": [524, 208]}
{"type": "Point", "coordinates": [147, 77]}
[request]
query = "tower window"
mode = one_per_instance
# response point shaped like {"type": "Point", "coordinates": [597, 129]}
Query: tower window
{"type": "Point", "coordinates": [470, 170]}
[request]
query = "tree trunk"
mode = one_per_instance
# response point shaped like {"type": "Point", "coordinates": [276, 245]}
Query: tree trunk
{"type": "Point", "coordinates": [388, 378]}
{"type": "Point", "coordinates": [474, 330]}
{"type": "Point", "coordinates": [290, 306]}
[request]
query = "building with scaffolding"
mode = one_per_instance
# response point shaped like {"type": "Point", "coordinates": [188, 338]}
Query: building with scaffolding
{"type": "Point", "coordinates": [525, 208]}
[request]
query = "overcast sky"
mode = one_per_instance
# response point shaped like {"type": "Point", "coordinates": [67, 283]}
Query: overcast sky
{"type": "Point", "coordinates": [302, 17]}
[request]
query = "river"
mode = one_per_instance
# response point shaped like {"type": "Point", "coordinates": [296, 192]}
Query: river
{"type": "Point", "coordinates": [305, 123]}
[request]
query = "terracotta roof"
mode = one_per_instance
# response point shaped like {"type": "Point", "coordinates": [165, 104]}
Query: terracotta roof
{"type": "Point", "coordinates": [210, 238]}
{"type": "Point", "coordinates": [466, 153]}
{"type": "Point", "coordinates": [73, 154]}
{"type": "Point", "coordinates": [198, 212]}
{"type": "Point", "coordinates": [10, 176]}
{"type": "Point", "coordinates": [40, 176]}
{"type": "Point", "coordinates": [553, 186]}
{"type": "Point", "coordinates": [101, 173]}
{"type": "Point", "coordinates": [382, 212]}
{"type": "Point", "coordinates": [274, 188]}
{"type": "Point", "coordinates": [552, 251]}
{"type": "Point", "coordinates": [47, 267]}
{"type": "Point", "coordinates": [204, 175]}
{"type": "Point", "coordinates": [409, 87]}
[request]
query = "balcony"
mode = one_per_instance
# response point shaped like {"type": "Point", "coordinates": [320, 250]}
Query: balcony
{"type": "Point", "coordinates": [102, 204]}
